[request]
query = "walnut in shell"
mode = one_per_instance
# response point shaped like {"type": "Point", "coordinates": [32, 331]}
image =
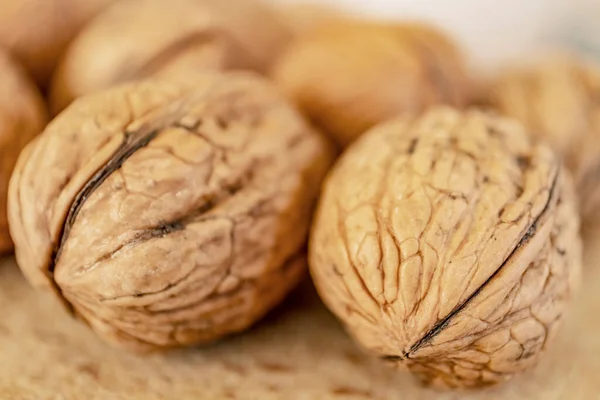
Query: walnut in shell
{"type": "Point", "coordinates": [350, 76]}
{"type": "Point", "coordinates": [305, 17]}
{"type": "Point", "coordinates": [448, 243]}
{"type": "Point", "coordinates": [558, 101]}
{"type": "Point", "coordinates": [38, 31]}
{"type": "Point", "coordinates": [22, 117]}
{"type": "Point", "coordinates": [169, 213]}
{"type": "Point", "coordinates": [135, 39]}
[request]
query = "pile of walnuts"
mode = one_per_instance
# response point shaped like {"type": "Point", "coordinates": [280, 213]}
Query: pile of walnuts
{"type": "Point", "coordinates": [189, 175]}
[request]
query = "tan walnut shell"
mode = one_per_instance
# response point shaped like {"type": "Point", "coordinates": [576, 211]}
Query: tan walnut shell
{"type": "Point", "coordinates": [448, 243]}
{"type": "Point", "coordinates": [350, 76]}
{"type": "Point", "coordinates": [169, 213]}
{"type": "Point", "coordinates": [136, 39]}
{"type": "Point", "coordinates": [37, 32]}
{"type": "Point", "coordinates": [303, 18]}
{"type": "Point", "coordinates": [558, 101]}
{"type": "Point", "coordinates": [22, 117]}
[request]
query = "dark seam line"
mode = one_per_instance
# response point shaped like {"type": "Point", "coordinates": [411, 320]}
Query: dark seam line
{"type": "Point", "coordinates": [165, 228]}
{"type": "Point", "coordinates": [441, 325]}
{"type": "Point", "coordinates": [131, 143]}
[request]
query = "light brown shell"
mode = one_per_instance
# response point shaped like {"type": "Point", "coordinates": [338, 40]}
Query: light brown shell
{"type": "Point", "coordinates": [559, 101]}
{"type": "Point", "coordinates": [37, 32]}
{"type": "Point", "coordinates": [350, 76]}
{"type": "Point", "coordinates": [169, 213]}
{"type": "Point", "coordinates": [304, 17]}
{"type": "Point", "coordinates": [135, 39]}
{"type": "Point", "coordinates": [22, 116]}
{"type": "Point", "coordinates": [448, 243]}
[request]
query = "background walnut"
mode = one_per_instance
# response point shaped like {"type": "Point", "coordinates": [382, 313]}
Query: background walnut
{"type": "Point", "coordinates": [558, 101]}
{"type": "Point", "coordinates": [350, 76]}
{"type": "Point", "coordinates": [168, 214]}
{"type": "Point", "coordinates": [448, 243]}
{"type": "Point", "coordinates": [22, 116]}
{"type": "Point", "coordinates": [124, 43]}
{"type": "Point", "coordinates": [38, 31]}
{"type": "Point", "coordinates": [305, 17]}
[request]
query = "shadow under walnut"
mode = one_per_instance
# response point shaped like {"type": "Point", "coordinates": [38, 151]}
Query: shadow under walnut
{"type": "Point", "coordinates": [22, 117]}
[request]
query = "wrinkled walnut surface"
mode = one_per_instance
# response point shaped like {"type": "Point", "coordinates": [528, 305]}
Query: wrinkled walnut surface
{"type": "Point", "coordinates": [558, 101]}
{"type": "Point", "coordinates": [169, 213]}
{"type": "Point", "coordinates": [448, 243]}
{"type": "Point", "coordinates": [38, 31]}
{"type": "Point", "coordinates": [350, 76]}
{"type": "Point", "coordinates": [166, 37]}
{"type": "Point", "coordinates": [22, 116]}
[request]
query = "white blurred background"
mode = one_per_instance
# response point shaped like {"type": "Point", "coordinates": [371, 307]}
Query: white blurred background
{"type": "Point", "coordinates": [495, 32]}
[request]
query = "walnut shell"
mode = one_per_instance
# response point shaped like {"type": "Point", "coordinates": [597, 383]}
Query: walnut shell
{"type": "Point", "coordinates": [38, 31]}
{"type": "Point", "coordinates": [448, 243]}
{"type": "Point", "coordinates": [169, 213]}
{"type": "Point", "coordinates": [348, 77]}
{"type": "Point", "coordinates": [22, 117]}
{"type": "Point", "coordinates": [558, 101]}
{"type": "Point", "coordinates": [192, 35]}
{"type": "Point", "coordinates": [303, 17]}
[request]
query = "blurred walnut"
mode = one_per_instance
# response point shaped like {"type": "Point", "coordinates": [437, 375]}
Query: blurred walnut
{"type": "Point", "coordinates": [303, 17]}
{"type": "Point", "coordinates": [558, 101]}
{"type": "Point", "coordinates": [135, 39]}
{"type": "Point", "coordinates": [348, 77]}
{"type": "Point", "coordinates": [169, 213]}
{"type": "Point", "coordinates": [22, 116]}
{"type": "Point", "coordinates": [38, 31]}
{"type": "Point", "coordinates": [448, 243]}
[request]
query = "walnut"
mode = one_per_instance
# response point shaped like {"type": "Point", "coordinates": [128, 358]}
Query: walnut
{"type": "Point", "coordinates": [558, 101]}
{"type": "Point", "coordinates": [350, 76]}
{"type": "Point", "coordinates": [306, 17]}
{"type": "Point", "coordinates": [22, 117]}
{"type": "Point", "coordinates": [168, 213]}
{"type": "Point", "coordinates": [448, 243]}
{"type": "Point", "coordinates": [192, 35]}
{"type": "Point", "coordinates": [38, 31]}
